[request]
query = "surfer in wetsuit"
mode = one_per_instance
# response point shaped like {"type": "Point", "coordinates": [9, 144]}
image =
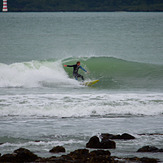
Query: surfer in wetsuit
{"type": "Point", "coordinates": [75, 70]}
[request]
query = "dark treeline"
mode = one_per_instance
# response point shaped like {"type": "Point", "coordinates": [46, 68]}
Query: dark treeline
{"type": "Point", "coordinates": [84, 5]}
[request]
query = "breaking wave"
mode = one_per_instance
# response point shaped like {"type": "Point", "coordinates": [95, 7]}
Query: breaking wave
{"type": "Point", "coordinates": [113, 73]}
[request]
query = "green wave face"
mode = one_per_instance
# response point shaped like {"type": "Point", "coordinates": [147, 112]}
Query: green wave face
{"type": "Point", "coordinates": [115, 73]}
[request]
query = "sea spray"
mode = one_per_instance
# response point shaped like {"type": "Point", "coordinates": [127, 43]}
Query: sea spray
{"type": "Point", "coordinates": [34, 74]}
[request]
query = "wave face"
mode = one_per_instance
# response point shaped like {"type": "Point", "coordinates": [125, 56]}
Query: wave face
{"type": "Point", "coordinates": [120, 74]}
{"type": "Point", "coordinates": [113, 73]}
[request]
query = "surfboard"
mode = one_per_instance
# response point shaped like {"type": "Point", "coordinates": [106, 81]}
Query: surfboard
{"type": "Point", "coordinates": [90, 83]}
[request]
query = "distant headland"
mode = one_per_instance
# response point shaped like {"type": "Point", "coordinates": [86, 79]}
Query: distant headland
{"type": "Point", "coordinates": [84, 5]}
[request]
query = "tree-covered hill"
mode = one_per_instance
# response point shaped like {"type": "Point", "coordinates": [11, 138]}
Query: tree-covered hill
{"type": "Point", "coordinates": [84, 5]}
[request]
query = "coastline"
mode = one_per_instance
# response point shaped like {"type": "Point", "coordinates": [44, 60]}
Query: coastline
{"type": "Point", "coordinates": [75, 10]}
{"type": "Point", "coordinates": [96, 150]}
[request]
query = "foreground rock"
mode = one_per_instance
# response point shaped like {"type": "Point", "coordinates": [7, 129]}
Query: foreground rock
{"type": "Point", "coordinates": [94, 142]}
{"type": "Point", "coordinates": [140, 160]}
{"type": "Point", "coordinates": [19, 155]}
{"type": "Point", "coordinates": [150, 134]}
{"type": "Point", "coordinates": [149, 149]}
{"type": "Point", "coordinates": [57, 149]}
{"type": "Point", "coordinates": [82, 156]}
{"type": "Point", "coordinates": [124, 136]}
{"type": "Point", "coordinates": [78, 156]}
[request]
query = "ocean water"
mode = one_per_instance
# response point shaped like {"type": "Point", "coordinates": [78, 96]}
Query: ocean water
{"type": "Point", "coordinates": [42, 106]}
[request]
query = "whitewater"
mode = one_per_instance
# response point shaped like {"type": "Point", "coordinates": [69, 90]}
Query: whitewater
{"type": "Point", "coordinates": [42, 105]}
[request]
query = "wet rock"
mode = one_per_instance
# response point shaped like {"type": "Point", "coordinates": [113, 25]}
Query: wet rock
{"type": "Point", "coordinates": [8, 158]}
{"type": "Point", "coordinates": [83, 156]}
{"type": "Point", "coordinates": [150, 134]}
{"type": "Point", "coordinates": [94, 142]}
{"type": "Point", "coordinates": [100, 153]}
{"type": "Point", "coordinates": [108, 144]}
{"type": "Point", "coordinates": [77, 156]}
{"type": "Point", "coordinates": [42, 159]}
{"type": "Point", "coordinates": [140, 160]}
{"type": "Point", "coordinates": [57, 149]}
{"type": "Point", "coordinates": [19, 155]}
{"type": "Point", "coordinates": [148, 160]}
{"type": "Point", "coordinates": [149, 149]}
{"type": "Point", "coordinates": [124, 136]}
{"type": "Point", "coordinates": [80, 154]}
{"type": "Point", "coordinates": [102, 159]}
{"type": "Point", "coordinates": [24, 155]}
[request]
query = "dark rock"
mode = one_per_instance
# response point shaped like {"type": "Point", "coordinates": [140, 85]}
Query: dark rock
{"type": "Point", "coordinates": [100, 153]}
{"type": "Point", "coordinates": [124, 136]}
{"type": "Point", "coordinates": [101, 156]}
{"type": "Point", "coordinates": [57, 149]}
{"type": "Point", "coordinates": [19, 155]}
{"type": "Point", "coordinates": [24, 155]}
{"type": "Point", "coordinates": [79, 154]}
{"type": "Point", "coordinates": [105, 136]}
{"type": "Point", "coordinates": [108, 144]}
{"type": "Point", "coordinates": [149, 149]}
{"type": "Point", "coordinates": [83, 156]}
{"type": "Point", "coordinates": [139, 160]}
{"type": "Point", "coordinates": [161, 150]}
{"type": "Point", "coordinates": [148, 160]}
{"type": "Point", "coordinates": [94, 142]}
{"type": "Point", "coordinates": [102, 159]}
{"type": "Point", "coordinates": [150, 134]}
{"type": "Point", "coordinates": [8, 158]}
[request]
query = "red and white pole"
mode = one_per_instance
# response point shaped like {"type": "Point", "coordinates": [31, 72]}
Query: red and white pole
{"type": "Point", "coordinates": [5, 6]}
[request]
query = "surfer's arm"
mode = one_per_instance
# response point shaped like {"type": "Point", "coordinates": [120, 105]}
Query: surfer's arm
{"type": "Point", "coordinates": [69, 65]}
{"type": "Point", "coordinates": [83, 69]}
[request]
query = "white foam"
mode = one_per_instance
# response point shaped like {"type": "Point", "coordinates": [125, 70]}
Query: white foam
{"type": "Point", "coordinates": [40, 143]}
{"type": "Point", "coordinates": [34, 74]}
{"type": "Point", "coordinates": [81, 105]}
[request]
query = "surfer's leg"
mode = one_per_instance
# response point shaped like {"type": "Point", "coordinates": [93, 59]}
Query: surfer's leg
{"type": "Point", "coordinates": [80, 76]}
{"type": "Point", "coordinates": [75, 76]}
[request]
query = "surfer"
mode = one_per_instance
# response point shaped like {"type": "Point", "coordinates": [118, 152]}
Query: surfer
{"type": "Point", "coordinates": [75, 70]}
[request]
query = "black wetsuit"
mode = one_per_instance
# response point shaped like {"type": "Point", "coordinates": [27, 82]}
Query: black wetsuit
{"type": "Point", "coordinates": [75, 71]}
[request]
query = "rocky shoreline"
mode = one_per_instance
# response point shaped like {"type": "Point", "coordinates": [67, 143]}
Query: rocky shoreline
{"type": "Point", "coordinates": [100, 153]}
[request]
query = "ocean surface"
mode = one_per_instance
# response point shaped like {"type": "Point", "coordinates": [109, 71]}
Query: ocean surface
{"type": "Point", "coordinates": [42, 106]}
